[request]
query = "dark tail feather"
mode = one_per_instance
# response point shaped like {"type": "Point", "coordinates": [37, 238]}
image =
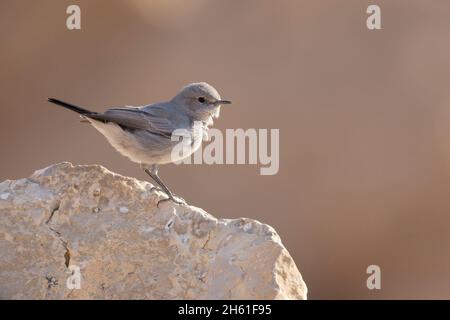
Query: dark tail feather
{"type": "Point", "coordinates": [70, 106]}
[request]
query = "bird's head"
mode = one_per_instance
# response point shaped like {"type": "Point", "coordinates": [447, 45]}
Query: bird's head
{"type": "Point", "coordinates": [200, 100]}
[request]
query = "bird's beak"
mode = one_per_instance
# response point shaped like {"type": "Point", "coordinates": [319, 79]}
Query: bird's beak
{"type": "Point", "coordinates": [219, 102]}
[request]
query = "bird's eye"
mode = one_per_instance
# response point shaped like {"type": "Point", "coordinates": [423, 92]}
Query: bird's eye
{"type": "Point", "coordinates": [201, 100]}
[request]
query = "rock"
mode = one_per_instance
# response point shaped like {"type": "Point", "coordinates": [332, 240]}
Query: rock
{"type": "Point", "coordinates": [83, 232]}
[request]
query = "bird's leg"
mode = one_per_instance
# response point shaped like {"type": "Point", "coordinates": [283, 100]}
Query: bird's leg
{"type": "Point", "coordinates": [153, 173]}
{"type": "Point", "coordinates": [145, 168]}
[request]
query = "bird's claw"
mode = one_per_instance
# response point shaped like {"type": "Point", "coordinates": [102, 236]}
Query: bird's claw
{"type": "Point", "coordinates": [180, 202]}
{"type": "Point", "coordinates": [156, 189]}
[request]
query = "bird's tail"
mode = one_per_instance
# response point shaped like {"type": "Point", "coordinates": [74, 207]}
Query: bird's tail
{"type": "Point", "coordinates": [70, 106]}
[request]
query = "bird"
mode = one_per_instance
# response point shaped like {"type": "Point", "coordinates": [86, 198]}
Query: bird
{"type": "Point", "coordinates": [143, 134]}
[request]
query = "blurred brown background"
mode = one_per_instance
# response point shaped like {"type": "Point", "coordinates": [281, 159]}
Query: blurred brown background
{"type": "Point", "coordinates": [364, 118]}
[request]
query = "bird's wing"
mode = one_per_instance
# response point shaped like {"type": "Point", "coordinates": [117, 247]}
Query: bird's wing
{"type": "Point", "coordinates": [157, 119]}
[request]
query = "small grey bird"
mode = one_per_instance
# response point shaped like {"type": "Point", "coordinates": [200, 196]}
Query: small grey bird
{"type": "Point", "coordinates": [143, 134]}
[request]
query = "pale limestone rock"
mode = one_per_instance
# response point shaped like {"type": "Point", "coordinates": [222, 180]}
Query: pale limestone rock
{"type": "Point", "coordinates": [66, 217]}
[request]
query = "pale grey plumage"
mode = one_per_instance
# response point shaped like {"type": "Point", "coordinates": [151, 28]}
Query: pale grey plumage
{"type": "Point", "coordinates": [143, 134]}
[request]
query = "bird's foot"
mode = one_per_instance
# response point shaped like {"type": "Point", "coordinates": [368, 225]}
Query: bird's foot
{"type": "Point", "coordinates": [178, 200]}
{"type": "Point", "coordinates": [156, 189]}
